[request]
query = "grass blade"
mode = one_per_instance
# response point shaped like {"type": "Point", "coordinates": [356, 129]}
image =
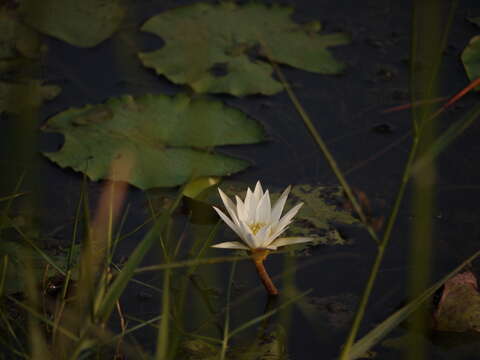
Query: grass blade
{"type": "Point", "coordinates": [3, 273]}
{"type": "Point", "coordinates": [127, 272]}
{"type": "Point", "coordinates": [268, 314]}
{"type": "Point", "coordinates": [441, 143]}
{"type": "Point", "coordinates": [163, 331]}
{"type": "Point", "coordinates": [121, 281]}
{"type": "Point", "coordinates": [11, 197]}
{"type": "Point", "coordinates": [226, 327]}
{"type": "Point", "coordinates": [39, 316]}
{"type": "Point", "coordinates": [194, 262]}
{"type": "Point", "coordinates": [373, 337]}
{"type": "Point", "coordinates": [39, 251]}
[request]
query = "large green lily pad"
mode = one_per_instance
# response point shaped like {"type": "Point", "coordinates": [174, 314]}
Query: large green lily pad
{"type": "Point", "coordinates": [82, 23]}
{"type": "Point", "coordinates": [471, 59]}
{"type": "Point", "coordinates": [152, 141]}
{"type": "Point", "coordinates": [211, 47]}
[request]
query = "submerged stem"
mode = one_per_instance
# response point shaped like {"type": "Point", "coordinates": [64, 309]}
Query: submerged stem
{"type": "Point", "coordinates": [258, 256]}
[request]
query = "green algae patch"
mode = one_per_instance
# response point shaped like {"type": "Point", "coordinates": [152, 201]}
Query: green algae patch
{"type": "Point", "coordinates": [320, 214]}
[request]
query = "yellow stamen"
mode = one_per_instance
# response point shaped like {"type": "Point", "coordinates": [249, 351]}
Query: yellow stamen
{"type": "Point", "coordinates": [256, 227]}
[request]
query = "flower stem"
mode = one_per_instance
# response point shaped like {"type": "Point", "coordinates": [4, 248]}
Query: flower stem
{"type": "Point", "coordinates": [258, 256]}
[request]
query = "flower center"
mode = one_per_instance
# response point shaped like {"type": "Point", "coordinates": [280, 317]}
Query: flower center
{"type": "Point", "coordinates": [256, 227]}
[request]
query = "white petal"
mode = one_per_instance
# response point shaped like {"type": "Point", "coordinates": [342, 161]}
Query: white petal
{"type": "Point", "coordinates": [262, 238]}
{"type": "Point", "coordinates": [248, 200]}
{"type": "Point", "coordinates": [290, 241]}
{"type": "Point", "coordinates": [247, 235]}
{"type": "Point", "coordinates": [285, 220]}
{"type": "Point", "coordinates": [279, 204]}
{"type": "Point", "coordinates": [229, 205]}
{"type": "Point", "coordinates": [262, 212]}
{"type": "Point", "coordinates": [229, 222]}
{"type": "Point", "coordinates": [266, 238]}
{"type": "Point", "coordinates": [241, 211]}
{"type": "Point", "coordinates": [279, 232]}
{"type": "Point", "coordinates": [251, 208]}
{"type": "Point", "coordinates": [231, 245]}
{"type": "Point", "coordinates": [258, 193]}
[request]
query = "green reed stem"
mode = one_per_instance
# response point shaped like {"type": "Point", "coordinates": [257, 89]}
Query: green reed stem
{"type": "Point", "coordinates": [226, 326]}
{"type": "Point", "coordinates": [383, 243]}
{"type": "Point", "coordinates": [344, 355]}
{"type": "Point", "coordinates": [422, 130]}
{"type": "Point", "coordinates": [326, 153]}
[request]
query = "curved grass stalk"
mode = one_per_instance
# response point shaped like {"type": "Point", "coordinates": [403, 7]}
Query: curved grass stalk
{"type": "Point", "coordinates": [380, 331]}
{"type": "Point", "coordinates": [383, 243]}
{"type": "Point", "coordinates": [226, 327]}
{"type": "Point", "coordinates": [268, 314]}
{"type": "Point", "coordinates": [326, 153]}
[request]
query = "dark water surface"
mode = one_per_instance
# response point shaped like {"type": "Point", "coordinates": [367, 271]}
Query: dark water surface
{"type": "Point", "coordinates": [346, 110]}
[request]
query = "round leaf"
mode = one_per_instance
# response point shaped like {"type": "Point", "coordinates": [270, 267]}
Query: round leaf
{"type": "Point", "coordinates": [223, 48]}
{"type": "Point", "coordinates": [152, 141]}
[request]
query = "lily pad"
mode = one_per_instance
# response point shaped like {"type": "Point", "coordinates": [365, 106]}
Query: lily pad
{"type": "Point", "coordinates": [223, 48]}
{"type": "Point", "coordinates": [153, 140]}
{"type": "Point", "coordinates": [15, 38]}
{"type": "Point", "coordinates": [83, 23]}
{"type": "Point", "coordinates": [37, 92]}
{"type": "Point", "coordinates": [471, 59]}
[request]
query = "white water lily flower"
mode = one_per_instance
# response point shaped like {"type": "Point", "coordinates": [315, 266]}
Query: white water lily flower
{"type": "Point", "coordinates": [256, 222]}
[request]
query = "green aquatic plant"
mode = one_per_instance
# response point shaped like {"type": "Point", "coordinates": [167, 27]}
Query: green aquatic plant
{"type": "Point", "coordinates": [211, 47]}
{"type": "Point", "coordinates": [147, 135]}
